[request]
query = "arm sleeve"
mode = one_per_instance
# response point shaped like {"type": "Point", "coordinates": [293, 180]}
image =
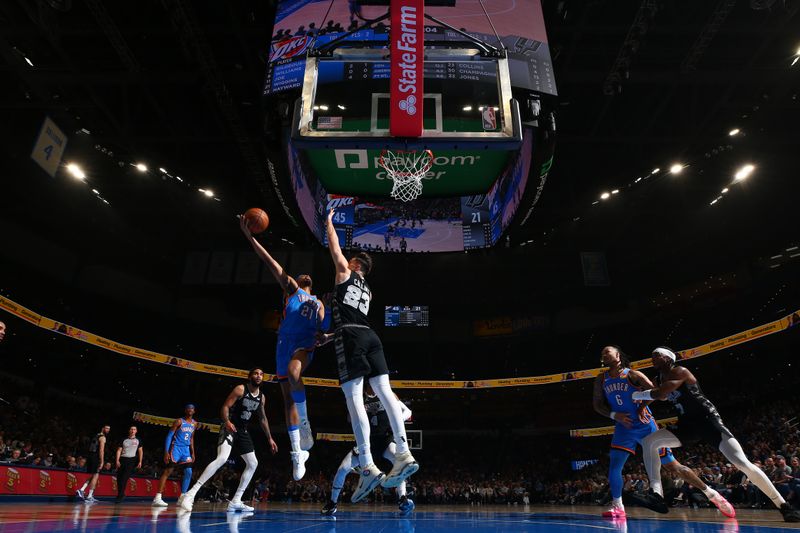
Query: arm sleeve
{"type": "Point", "coordinates": [168, 442]}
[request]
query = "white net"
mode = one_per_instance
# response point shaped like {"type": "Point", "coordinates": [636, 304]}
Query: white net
{"type": "Point", "coordinates": [406, 169]}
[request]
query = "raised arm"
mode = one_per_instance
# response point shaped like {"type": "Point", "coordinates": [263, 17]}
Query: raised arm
{"type": "Point", "coordinates": [286, 281]}
{"type": "Point", "coordinates": [236, 393]}
{"type": "Point", "coordinates": [262, 418]}
{"type": "Point", "coordinates": [676, 377]}
{"type": "Point", "coordinates": [339, 261]}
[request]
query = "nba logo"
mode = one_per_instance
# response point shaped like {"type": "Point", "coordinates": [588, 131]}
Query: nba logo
{"type": "Point", "coordinates": [489, 119]}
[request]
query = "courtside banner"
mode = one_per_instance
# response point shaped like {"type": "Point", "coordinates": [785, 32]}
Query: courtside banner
{"type": "Point", "coordinates": [407, 56]}
{"type": "Point", "coordinates": [144, 418]}
{"type": "Point", "coordinates": [608, 430]}
{"type": "Point", "coordinates": [776, 326]}
{"type": "Point", "coordinates": [32, 481]}
{"type": "Point", "coordinates": [336, 437]}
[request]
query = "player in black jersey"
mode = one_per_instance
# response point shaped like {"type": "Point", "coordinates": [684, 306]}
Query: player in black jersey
{"type": "Point", "coordinates": [94, 462]}
{"type": "Point", "coordinates": [244, 402]}
{"type": "Point", "coordinates": [698, 420]}
{"type": "Point", "coordinates": [359, 355]}
{"type": "Point", "coordinates": [380, 439]}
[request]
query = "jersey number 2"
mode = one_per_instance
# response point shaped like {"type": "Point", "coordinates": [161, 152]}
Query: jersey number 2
{"type": "Point", "coordinates": [357, 298]}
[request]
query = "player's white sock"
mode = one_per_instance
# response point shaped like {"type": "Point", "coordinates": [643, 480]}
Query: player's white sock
{"type": "Point", "coordinates": [709, 492]}
{"type": "Point", "coordinates": [617, 502]}
{"type": "Point", "coordinates": [83, 488]}
{"type": "Point", "coordinates": [294, 438]}
{"type": "Point", "coordinates": [401, 489]}
{"type": "Point", "coordinates": [91, 493]}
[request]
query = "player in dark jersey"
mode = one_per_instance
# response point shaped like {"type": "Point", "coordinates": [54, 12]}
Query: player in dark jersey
{"type": "Point", "coordinates": [633, 421]}
{"type": "Point", "coordinates": [94, 462]}
{"type": "Point", "coordinates": [380, 437]}
{"type": "Point", "coordinates": [243, 403]}
{"type": "Point", "coordinates": [303, 315]}
{"type": "Point", "coordinates": [178, 452]}
{"type": "Point", "coordinates": [698, 421]}
{"type": "Point", "coordinates": [359, 355]}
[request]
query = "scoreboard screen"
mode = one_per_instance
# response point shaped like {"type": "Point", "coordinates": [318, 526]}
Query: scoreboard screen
{"type": "Point", "coordinates": [406, 315]}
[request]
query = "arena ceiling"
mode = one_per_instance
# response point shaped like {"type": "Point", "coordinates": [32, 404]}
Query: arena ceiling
{"type": "Point", "coordinates": [176, 84]}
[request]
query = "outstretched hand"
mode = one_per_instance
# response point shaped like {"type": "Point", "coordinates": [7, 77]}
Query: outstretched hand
{"type": "Point", "coordinates": [243, 226]}
{"type": "Point", "coordinates": [330, 215]}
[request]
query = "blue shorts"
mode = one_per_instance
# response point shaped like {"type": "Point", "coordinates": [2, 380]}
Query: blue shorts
{"type": "Point", "coordinates": [180, 454]}
{"type": "Point", "coordinates": [287, 346]}
{"type": "Point", "coordinates": [627, 438]}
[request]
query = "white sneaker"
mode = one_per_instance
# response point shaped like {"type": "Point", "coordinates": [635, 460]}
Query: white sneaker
{"type": "Point", "coordinates": [188, 502]}
{"type": "Point", "coordinates": [238, 505]}
{"type": "Point", "coordinates": [158, 502]}
{"type": "Point", "coordinates": [299, 464]}
{"type": "Point", "coordinates": [404, 466]}
{"type": "Point", "coordinates": [306, 438]}
{"type": "Point", "coordinates": [79, 494]}
{"type": "Point", "coordinates": [369, 478]}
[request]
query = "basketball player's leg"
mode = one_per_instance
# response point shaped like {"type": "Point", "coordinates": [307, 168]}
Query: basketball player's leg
{"type": "Point", "coordinates": [732, 450]}
{"type": "Point", "coordinates": [158, 501]}
{"type": "Point", "coordinates": [349, 464]}
{"type": "Point", "coordinates": [250, 466]}
{"type": "Point", "coordinates": [224, 447]}
{"type": "Point", "coordinates": [404, 463]}
{"type": "Point", "coordinates": [370, 476]}
{"type": "Point", "coordinates": [663, 438]}
{"type": "Point", "coordinates": [404, 503]}
{"type": "Point", "coordinates": [301, 359]}
{"type": "Point", "coordinates": [618, 458]}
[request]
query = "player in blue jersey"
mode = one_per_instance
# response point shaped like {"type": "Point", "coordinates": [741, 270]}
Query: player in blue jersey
{"type": "Point", "coordinates": [303, 316]}
{"type": "Point", "coordinates": [633, 421]}
{"type": "Point", "coordinates": [178, 452]}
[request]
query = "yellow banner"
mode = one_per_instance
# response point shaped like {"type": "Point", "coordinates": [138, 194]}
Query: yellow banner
{"type": "Point", "coordinates": [144, 418]}
{"type": "Point", "coordinates": [608, 430]}
{"type": "Point", "coordinates": [16, 309]}
{"type": "Point", "coordinates": [336, 437]}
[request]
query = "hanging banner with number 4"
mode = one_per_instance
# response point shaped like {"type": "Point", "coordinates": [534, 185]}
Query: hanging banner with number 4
{"type": "Point", "coordinates": [49, 147]}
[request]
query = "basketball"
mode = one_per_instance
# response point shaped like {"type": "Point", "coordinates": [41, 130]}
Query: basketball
{"type": "Point", "coordinates": [257, 220]}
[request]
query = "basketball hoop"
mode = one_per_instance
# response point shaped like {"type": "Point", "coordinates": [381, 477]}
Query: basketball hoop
{"type": "Point", "coordinates": [406, 170]}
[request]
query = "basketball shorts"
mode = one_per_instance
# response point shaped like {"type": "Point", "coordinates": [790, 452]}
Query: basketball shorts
{"type": "Point", "coordinates": [709, 429]}
{"type": "Point", "coordinates": [286, 348]}
{"type": "Point", "coordinates": [241, 442]}
{"type": "Point", "coordinates": [93, 464]}
{"type": "Point", "coordinates": [359, 353]}
{"type": "Point", "coordinates": [626, 439]}
{"type": "Point", "coordinates": [180, 454]}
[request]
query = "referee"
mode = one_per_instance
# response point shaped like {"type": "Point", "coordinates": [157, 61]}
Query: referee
{"type": "Point", "coordinates": [129, 456]}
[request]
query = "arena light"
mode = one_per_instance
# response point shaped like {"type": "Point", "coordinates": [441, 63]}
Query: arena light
{"type": "Point", "coordinates": [96, 191]}
{"type": "Point", "coordinates": [162, 169]}
{"type": "Point", "coordinates": [179, 179]}
{"type": "Point", "coordinates": [207, 192]}
{"type": "Point", "coordinates": [655, 171]}
{"type": "Point", "coordinates": [734, 132]}
{"type": "Point", "coordinates": [467, 108]}
{"type": "Point", "coordinates": [605, 196]}
{"type": "Point", "coordinates": [744, 172]}
{"type": "Point", "coordinates": [677, 168]}
{"type": "Point", "coordinates": [724, 190]}
{"type": "Point", "coordinates": [323, 107]}
{"type": "Point", "coordinates": [340, 106]}
{"type": "Point", "coordinates": [615, 191]}
{"type": "Point", "coordinates": [76, 171]}
{"type": "Point", "coordinates": [141, 167]}
{"type": "Point", "coordinates": [714, 201]}
{"type": "Point", "coordinates": [28, 61]}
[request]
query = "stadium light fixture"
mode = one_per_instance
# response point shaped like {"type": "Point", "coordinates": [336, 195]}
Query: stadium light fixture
{"type": "Point", "coordinates": [744, 172]}
{"type": "Point", "coordinates": [655, 171]}
{"type": "Point", "coordinates": [467, 108]}
{"type": "Point", "coordinates": [734, 132]}
{"type": "Point", "coordinates": [605, 196]}
{"type": "Point", "coordinates": [141, 167]}
{"type": "Point", "coordinates": [76, 171]}
{"type": "Point", "coordinates": [677, 168]}
{"type": "Point", "coordinates": [615, 191]}
{"type": "Point", "coordinates": [207, 192]}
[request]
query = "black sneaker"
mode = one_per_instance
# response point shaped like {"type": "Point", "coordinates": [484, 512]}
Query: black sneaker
{"type": "Point", "coordinates": [651, 500]}
{"type": "Point", "coordinates": [329, 509]}
{"type": "Point", "coordinates": [790, 514]}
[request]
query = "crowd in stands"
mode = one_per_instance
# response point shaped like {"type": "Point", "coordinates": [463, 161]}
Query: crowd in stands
{"type": "Point", "coordinates": [524, 470]}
